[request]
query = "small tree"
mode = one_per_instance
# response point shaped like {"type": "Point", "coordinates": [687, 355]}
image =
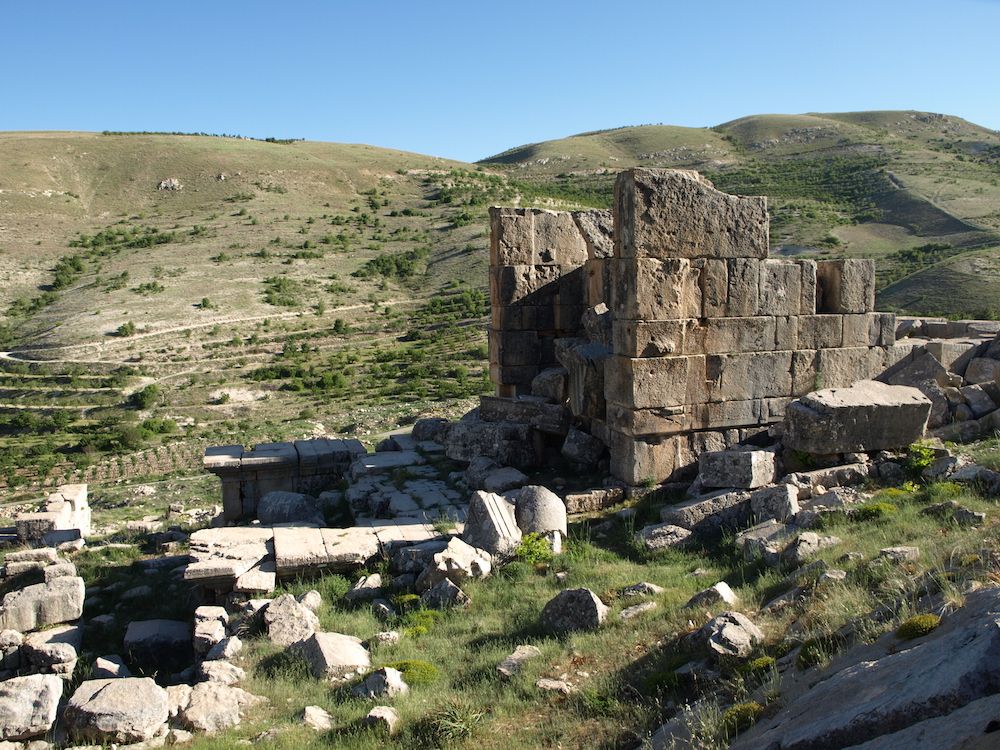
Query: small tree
{"type": "Point", "coordinates": [126, 329]}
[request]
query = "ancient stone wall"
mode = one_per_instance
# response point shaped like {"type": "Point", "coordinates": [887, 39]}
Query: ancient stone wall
{"type": "Point", "coordinates": [678, 332]}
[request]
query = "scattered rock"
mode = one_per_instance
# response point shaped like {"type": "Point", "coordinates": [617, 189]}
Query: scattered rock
{"type": "Point", "coordinates": [662, 536]}
{"type": "Point", "coordinates": [573, 609]}
{"type": "Point", "coordinates": [365, 589]}
{"type": "Point", "coordinates": [540, 511]}
{"type": "Point", "coordinates": [900, 554]}
{"type": "Point", "coordinates": [511, 665]}
{"type": "Point", "coordinates": [227, 648]}
{"type": "Point", "coordinates": [382, 683]}
{"type": "Point", "coordinates": [780, 503]}
{"type": "Point", "coordinates": [213, 706]}
{"type": "Point", "coordinates": [110, 666]}
{"type": "Point", "coordinates": [806, 545]}
{"type": "Point", "coordinates": [720, 593]}
{"type": "Point", "coordinates": [385, 718]}
{"type": "Point", "coordinates": [28, 705]}
{"type": "Point", "coordinates": [288, 621]}
{"type": "Point", "coordinates": [316, 718]}
{"type": "Point", "coordinates": [444, 595]}
{"type": "Point", "coordinates": [219, 671]}
{"type": "Point", "coordinates": [457, 562]}
{"type": "Point", "coordinates": [491, 525]}
{"type": "Point", "coordinates": [741, 469]}
{"type": "Point", "coordinates": [729, 634]}
{"type": "Point", "coordinates": [555, 686]}
{"type": "Point", "coordinates": [311, 600]}
{"type": "Point", "coordinates": [123, 710]}
{"type": "Point", "coordinates": [334, 656]}
{"type": "Point", "coordinates": [636, 609]}
{"type": "Point", "coordinates": [642, 589]}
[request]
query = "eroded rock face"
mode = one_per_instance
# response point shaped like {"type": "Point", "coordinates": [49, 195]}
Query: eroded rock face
{"type": "Point", "coordinates": [868, 416]}
{"type": "Point", "coordinates": [288, 621]}
{"type": "Point", "coordinates": [574, 609]}
{"type": "Point", "coordinates": [870, 700]}
{"type": "Point", "coordinates": [457, 562]}
{"type": "Point", "coordinates": [212, 706]}
{"type": "Point", "coordinates": [124, 710]}
{"type": "Point", "coordinates": [56, 601]}
{"type": "Point", "coordinates": [382, 683]}
{"type": "Point", "coordinates": [28, 705]}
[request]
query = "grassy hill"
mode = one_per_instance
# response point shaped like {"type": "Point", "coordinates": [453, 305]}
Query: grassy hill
{"type": "Point", "coordinates": [292, 287]}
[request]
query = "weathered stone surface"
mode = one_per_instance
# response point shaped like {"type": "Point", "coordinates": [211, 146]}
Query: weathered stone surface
{"type": "Point", "coordinates": [654, 289]}
{"type": "Point", "coordinates": [288, 621]}
{"type": "Point", "coordinates": [643, 588]}
{"type": "Point", "coordinates": [512, 664]}
{"type": "Point", "coordinates": [297, 549]}
{"type": "Point", "coordinates": [582, 448]}
{"type": "Point", "coordinates": [636, 610]}
{"type": "Point", "coordinates": [971, 727]}
{"type": "Point", "coordinates": [503, 479]}
{"type": "Point", "coordinates": [129, 709]}
{"type": "Point", "coordinates": [710, 514]}
{"type": "Point", "coordinates": [53, 649]}
{"type": "Point", "coordinates": [212, 706]}
{"type": "Point", "coordinates": [219, 671]}
{"type": "Point", "coordinates": [444, 595]}
{"type": "Point", "coordinates": [729, 634]}
{"type": "Point", "coordinates": [457, 562]}
{"type": "Point", "coordinates": [491, 525]}
{"type": "Point", "coordinates": [593, 500]}
{"type": "Point", "coordinates": [109, 666]}
{"type": "Point", "coordinates": [288, 507]}
{"type": "Point", "coordinates": [585, 363]}
{"type": "Point", "coordinates": [333, 656]}
{"type": "Point", "coordinates": [530, 410]}
{"type": "Point", "coordinates": [41, 604]}
{"type": "Point", "coordinates": [159, 643]}
{"type": "Point", "coordinates": [720, 593]}
{"type": "Point", "coordinates": [662, 536]}
{"type": "Point", "coordinates": [983, 370]}
{"type": "Point", "coordinates": [639, 461]}
{"type": "Point", "coordinates": [551, 384]}
{"type": "Point", "coordinates": [780, 502]}
{"type": "Point", "coordinates": [867, 416]}
{"type": "Point", "coordinates": [679, 214]}
{"type": "Point", "coordinates": [317, 719]}
{"type": "Point", "coordinates": [382, 683]}
{"type": "Point", "coordinates": [28, 705]}
{"type": "Point", "coordinates": [869, 700]}
{"type": "Point", "coordinates": [741, 469]}
{"type": "Point", "coordinates": [845, 286]}
{"type": "Point", "coordinates": [539, 510]}
{"type": "Point", "coordinates": [597, 228]}
{"type": "Point", "coordinates": [573, 609]}
{"type": "Point", "coordinates": [383, 717]}
{"type": "Point", "coordinates": [805, 546]}
{"type": "Point", "coordinates": [781, 289]}
{"type": "Point", "coordinates": [508, 443]}
{"type": "Point", "coordinates": [978, 400]}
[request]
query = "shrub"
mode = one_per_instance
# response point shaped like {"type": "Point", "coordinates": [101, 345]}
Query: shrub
{"type": "Point", "coordinates": [741, 717]}
{"type": "Point", "coordinates": [454, 721]}
{"type": "Point", "coordinates": [534, 549]}
{"type": "Point", "coordinates": [126, 329]}
{"type": "Point", "coordinates": [877, 511]}
{"type": "Point", "coordinates": [917, 626]}
{"type": "Point", "coordinates": [760, 664]}
{"type": "Point", "coordinates": [145, 398]}
{"type": "Point", "coordinates": [919, 456]}
{"type": "Point", "coordinates": [416, 671]}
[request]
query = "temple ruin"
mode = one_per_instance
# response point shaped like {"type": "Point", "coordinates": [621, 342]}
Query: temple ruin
{"type": "Point", "coordinates": [678, 333]}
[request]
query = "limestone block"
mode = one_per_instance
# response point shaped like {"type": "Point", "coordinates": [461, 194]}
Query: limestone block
{"type": "Point", "coordinates": [636, 461]}
{"type": "Point", "coordinates": [514, 348]}
{"type": "Point", "coordinates": [825, 332]}
{"type": "Point", "coordinates": [597, 281]}
{"type": "Point", "coordinates": [649, 338]}
{"type": "Point", "coordinates": [655, 289]}
{"type": "Point", "coordinates": [807, 303]}
{"type": "Point", "coordinates": [983, 370]}
{"type": "Point", "coordinates": [870, 329]}
{"type": "Point", "coordinates": [839, 368]}
{"type": "Point", "coordinates": [511, 237]}
{"type": "Point", "coordinates": [525, 236]}
{"type": "Point", "coordinates": [748, 376]}
{"type": "Point", "coordinates": [786, 333]}
{"type": "Point", "coordinates": [597, 228]}
{"type": "Point", "coordinates": [586, 365]}
{"type": "Point", "coordinates": [845, 286]}
{"type": "Point", "coordinates": [744, 287]}
{"type": "Point", "coordinates": [726, 335]}
{"type": "Point", "coordinates": [531, 410]}
{"type": "Point", "coordinates": [528, 284]}
{"type": "Point", "coordinates": [665, 420]}
{"type": "Point", "coordinates": [653, 382]}
{"type": "Point", "coordinates": [780, 288]}
{"type": "Point", "coordinates": [741, 469]}
{"type": "Point", "coordinates": [663, 213]}
{"type": "Point", "coordinates": [714, 287]}
{"type": "Point", "coordinates": [491, 524]}
{"type": "Point", "coordinates": [710, 514]}
{"type": "Point", "coordinates": [865, 417]}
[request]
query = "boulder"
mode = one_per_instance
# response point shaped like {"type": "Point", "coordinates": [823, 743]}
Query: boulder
{"type": "Point", "coordinates": [159, 644]}
{"type": "Point", "coordinates": [729, 634]}
{"type": "Point", "coordinates": [365, 589]}
{"type": "Point", "coordinates": [123, 710]}
{"type": "Point", "coordinates": [317, 719]}
{"type": "Point", "coordinates": [212, 706]}
{"type": "Point", "coordinates": [550, 384]}
{"type": "Point", "coordinates": [642, 588]}
{"type": "Point", "coordinates": [539, 510]}
{"type": "Point", "coordinates": [311, 600]}
{"type": "Point", "coordinates": [745, 469]}
{"type": "Point", "coordinates": [868, 416]}
{"type": "Point", "coordinates": [287, 621]}
{"type": "Point", "coordinates": [583, 448]}
{"type": "Point", "coordinates": [662, 536]}
{"type": "Point", "coordinates": [334, 656]}
{"type": "Point", "coordinates": [874, 697]}
{"type": "Point", "coordinates": [978, 400]}
{"type": "Point", "coordinates": [443, 595]}
{"type": "Point", "coordinates": [491, 525]}
{"type": "Point", "coordinates": [503, 479]}
{"type": "Point", "coordinates": [457, 562]}
{"type": "Point", "coordinates": [636, 610]}
{"type": "Point", "coordinates": [805, 546]}
{"type": "Point", "coordinates": [983, 370]}
{"type": "Point", "coordinates": [573, 609]}
{"type": "Point", "coordinates": [382, 717]}
{"type": "Point", "coordinates": [28, 705]}
{"type": "Point", "coordinates": [477, 471]}
{"type": "Point", "coordinates": [220, 671]}
{"type": "Point", "coordinates": [382, 683]}
{"type": "Point", "coordinates": [780, 502]}
{"type": "Point", "coordinates": [41, 604]}
{"type": "Point", "coordinates": [54, 649]}
{"type": "Point", "coordinates": [279, 507]}
{"type": "Point", "coordinates": [227, 648]}
{"type": "Point", "coordinates": [712, 514]}
{"type": "Point", "coordinates": [108, 667]}
{"type": "Point", "coordinates": [720, 593]}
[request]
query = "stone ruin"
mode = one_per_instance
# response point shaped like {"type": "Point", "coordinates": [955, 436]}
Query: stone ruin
{"type": "Point", "coordinates": [677, 332]}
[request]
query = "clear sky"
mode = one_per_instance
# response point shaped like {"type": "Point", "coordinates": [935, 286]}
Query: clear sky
{"type": "Point", "coordinates": [469, 78]}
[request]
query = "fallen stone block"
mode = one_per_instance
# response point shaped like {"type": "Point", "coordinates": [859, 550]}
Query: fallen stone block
{"type": "Point", "coordinates": [28, 706]}
{"type": "Point", "coordinates": [573, 609]}
{"type": "Point", "coordinates": [491, 525]}
{"type": "Point", "coordinates": [746, 469]}
{"type": "Point", "coordinates": [123, 710]}
{"type": "Point", "coordinates": [711, 514]}
{"type": "Point", "coordinates": [334, 656]}
{"type": "Point", "coordinates": [868, 416]}
{"type": "Point", "coordinates": [57, 601]}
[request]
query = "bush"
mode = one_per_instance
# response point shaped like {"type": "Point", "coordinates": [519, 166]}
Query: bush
{"type": "Point", "coordinates": [126, 329]}
{"type": "Point", "coordinates": [878, 511]}
{"type": "Point", "coordinates": [919, 456]}
{"type": "Point", "coordinates": [741, 717]}
{"type": "Point", "coordinates": [145, 398]}
{"type": "Point", "coordinates": [416, 671]}
{"type": "Point", "coordinates": [534, 549]}
{"type": "Point", "coordinates": [917, 626]}
{"type": "Point", "coordinates": [755, 666]}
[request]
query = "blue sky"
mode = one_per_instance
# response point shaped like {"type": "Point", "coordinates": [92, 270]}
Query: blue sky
{"type": "Point", "coordinates": [469, 79]}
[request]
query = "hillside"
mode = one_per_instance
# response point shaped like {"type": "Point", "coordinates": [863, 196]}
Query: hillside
{"type": "Point", "coordinates": [294, 287]}
{"type": "Point", "coordinates": [878, 184]}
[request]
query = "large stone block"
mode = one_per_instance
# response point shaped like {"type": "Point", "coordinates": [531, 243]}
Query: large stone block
{"type": "Point", "coordinates": [654, 382]}
{"type": "Point", "coordinates": [748, 376]}
{"type": "Point", "coordinates": [637, 461]}
{"type": "Point", "coordinates": [514, 348]}
{"type": "Point", "coordinates": [585, 364]}
{"type": "Point", "coordinates": [649, 338]}
{"type": "Point", "coordinates": [744, 287]}
{"type": "Point", "coordinates": [868, 416]}
{"type": "Point", "coordinates": [728, 335]}
{"type": "Point", "coordinates": [654, 289]}
{"type": "Point", "coordinates": [780, 287]}
{"type": "Point", "coordinates": [714, 287]}
{"type": "Point", "coordinates": [823, 332]}
{"type": "Point", "coordinates": [742, 469]}
{"type": "Point", "coordinates": [531, 410]}
{"type": "Point", "coordinates": [663, 213]}
{"type": "Point", "coordinates": [597, 228]}
{"type": "Point", "coordinates": [597, 281]}
{"type": "Point", "coordinates": [528, 236]}
{"type": "Point", "coordinates": [526, 284]}
{"type": "Point", "coordinates": [845, 286]}
{"type": "Point", "coordinates": [807, 303]}
{"type": "Point", "coordinates": [869, 329]}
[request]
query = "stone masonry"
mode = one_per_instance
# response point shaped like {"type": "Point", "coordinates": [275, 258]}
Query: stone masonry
{"type": "Point", "coordinates": [678, 332]}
